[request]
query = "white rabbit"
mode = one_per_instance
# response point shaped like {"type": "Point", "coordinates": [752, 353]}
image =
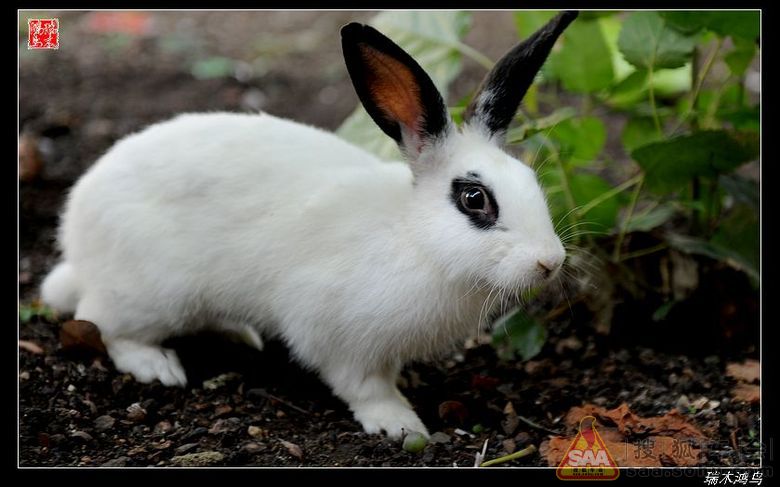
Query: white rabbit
{"type": "Point", "coordinates": [270, 228]}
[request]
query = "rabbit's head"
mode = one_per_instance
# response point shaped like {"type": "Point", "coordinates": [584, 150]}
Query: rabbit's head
{"type": "Point", "coordinates": [477, 211]}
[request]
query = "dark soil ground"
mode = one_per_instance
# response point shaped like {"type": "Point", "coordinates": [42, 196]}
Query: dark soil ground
{"type": "Point", "coordinates": [78, 411]}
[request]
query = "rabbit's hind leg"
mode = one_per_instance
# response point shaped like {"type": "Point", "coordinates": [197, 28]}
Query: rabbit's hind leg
{"type": "Point", "coordinates": [133, 348]}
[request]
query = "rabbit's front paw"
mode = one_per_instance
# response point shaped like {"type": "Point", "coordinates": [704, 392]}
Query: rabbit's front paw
{"type": "Point", "coordinates": [393, 417]}
{"type": "Point", "coordinates": [147, 362]}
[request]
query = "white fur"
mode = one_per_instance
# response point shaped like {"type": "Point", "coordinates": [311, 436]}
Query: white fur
{"type": "Point", "coordinates": [268, 228]}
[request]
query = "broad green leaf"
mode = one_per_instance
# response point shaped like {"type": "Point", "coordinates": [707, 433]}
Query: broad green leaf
{"type": "Point", "coordinates": [672, 163]}
{"type": "Point", "coordinates": [647, 42]}
{"type": "Point", "coordinates": [588, 187]}
{"type": "Point", "coordinates": [525, 334]}
{"type": "Point", "coordinates": [739, 58]}
{"type": "Point", "coordinates": [588, 191]}
{"type": "Point", "coordinates": [685, 21]}
{"type": "Point", "coordinates": [581, 139]}
{"type": "Point", "coordinates": [739, 232]}
{"type": "Point", "coordinates": [743, 24]}
{"type": "Point", "coordinates": [639, 131]}
{"type": "Point", "coordinates": [432, 38]}
{"type": "Point", "coordinates": [583, 64]}
{"type": "Point", "coordinates": [610, 27]}
{"type": "Point", "coordinates": [698, 246]}
{"type": "Point", "coordinates": [646, 221]}
{"type": "Point", "coordinates": [528, 22]}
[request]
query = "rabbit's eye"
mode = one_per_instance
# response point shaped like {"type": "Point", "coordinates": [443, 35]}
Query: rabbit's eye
{"type": "Point", "coordinates": [474, 198]}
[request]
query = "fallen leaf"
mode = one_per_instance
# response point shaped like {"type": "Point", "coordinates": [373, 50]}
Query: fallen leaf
{"type": "Point", "coordinates": [30, 160]}
{"type": "Point", "coordinates": [652, 451]}
{"type": "Point", "coordinates": [81, 336]}
{"type": "Point", "coordinates": [627, 423]}
{"type": "Point", "coordinates": [748, 371]}
{"type": "Point", "coordinates": [633, 441]}
{"type": "Point", "coordinates": [293, 449]}
{"type": "Point", "coordinates": [31, 347]}
{"type": "Point", "coordinates": [749, 393]}
{"type": "Point", "coordinates": [510, 423]}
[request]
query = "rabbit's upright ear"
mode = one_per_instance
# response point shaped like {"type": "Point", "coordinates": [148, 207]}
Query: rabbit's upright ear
{"type": "Point", "coordinates": [498, 97]}
{"type": "Point", "coordinates": [394, 89]}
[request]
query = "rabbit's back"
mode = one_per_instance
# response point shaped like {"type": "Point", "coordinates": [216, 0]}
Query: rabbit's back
{"type": "Point", "coordinates": [205, 212]}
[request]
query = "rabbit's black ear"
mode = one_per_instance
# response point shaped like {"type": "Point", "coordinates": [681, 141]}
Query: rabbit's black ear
{"type": "Point", "coordinates": [496, 101]}
{"type": "Point", "coordinates": [394, 89]}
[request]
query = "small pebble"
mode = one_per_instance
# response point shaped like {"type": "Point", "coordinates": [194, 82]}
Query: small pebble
{"type": "Point", "coordinates": [116, 462]}
{"type": "Point", "coordinates": [81, 435]}
{"type": "Point", "coordinates": [136, 413]}
{"type": "Point", "coordinates": [201, 459]}
{"type": "Point", "coordinates": [105, 422]}
{"type": "Point", "coordinates": [440, 437]}
{"type": "Point", "coordinates": [186, 448]}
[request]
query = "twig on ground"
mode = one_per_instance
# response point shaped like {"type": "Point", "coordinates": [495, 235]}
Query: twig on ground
{"type": "Point", "coordinates": [514, 456]}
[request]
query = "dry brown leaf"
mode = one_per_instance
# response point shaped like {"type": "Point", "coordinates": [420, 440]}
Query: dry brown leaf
{"type": "Point", "coordinates": [670, 424]}
{"type": "Point", "coordinates": [80, 335]}
{"type": "Point", "coordinates": [31, 347]}
{"type": "Point", "coordinates": [293, 449]}
{"type": "Point", "coordinates": [748, 371]}
{"type": "Point", "coordinates": [632, 440]}
{"type": "Point", "coordinates": [653, 451]}
{"type": "Point", "coordinates": [749, 393]}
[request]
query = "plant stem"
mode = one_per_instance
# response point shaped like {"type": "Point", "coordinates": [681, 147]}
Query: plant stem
{"type": "Point", "coordinates": [629, 214]}
{"type": "Point", "coordinates": [472, 53]}
{"type": "Point", "coordinates": [514, 456]}
{"type": "Point", "coordinates": [607, 195]}
{"type": "Point", "coordinates": [653, 107]}
{"type": "Point", "coordinates": [565, 183]}
{"type": "Point", "coordinates": [697, 82]}
{"type": "Point", "coordinates": [643, 252]}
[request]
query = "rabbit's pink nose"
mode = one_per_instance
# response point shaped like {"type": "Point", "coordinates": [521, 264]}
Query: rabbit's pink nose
{"type": "Point", "coordinates": [547, 267]}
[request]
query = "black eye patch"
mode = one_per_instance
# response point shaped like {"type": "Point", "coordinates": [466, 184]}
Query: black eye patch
{"type": "Point", "coordinates": [475, 200]}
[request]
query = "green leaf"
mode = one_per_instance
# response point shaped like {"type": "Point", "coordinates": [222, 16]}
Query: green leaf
{"type": "Point", "coordinates": [581, 139]}
{"type": "Point", "coordinates": [639, 131]}
{"type": "Point", "coordinates": [588, 187]}
{"type": "Point", "coordinates": [525, 334]}
{"type": "Point", "coordinates": [738, 24]}
{"type": "Point", "coordinates": [644, 222]}
{"type": "Point", "coordinates": [739, 58]}
{"type": "Point", "coordinates": [29, 311]}
{"type": "Point", "coordinates": [686, 22]}
{"type": "Point", "coordinates": [528, 22]}
{"type": "Point", "coordinates": [713, 250]}
{"type": "Point", "coordinates": [584, 63]}
{"type": "Point", "coordinates": [647, 42]}
{"type": "Point", "coordinates": [672, 163]}
{"type": "Point", "coordinates": [213, 67]}
{"type": "Point", "coordinates": [739, 233]}
{"type": "Point", "coordinates": [745, 25]}
{"type": "Point", "coordinates": [432, 38]}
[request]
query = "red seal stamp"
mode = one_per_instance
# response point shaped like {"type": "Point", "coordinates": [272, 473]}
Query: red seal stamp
{"type": "Point", "coordinates": [43, 34]}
